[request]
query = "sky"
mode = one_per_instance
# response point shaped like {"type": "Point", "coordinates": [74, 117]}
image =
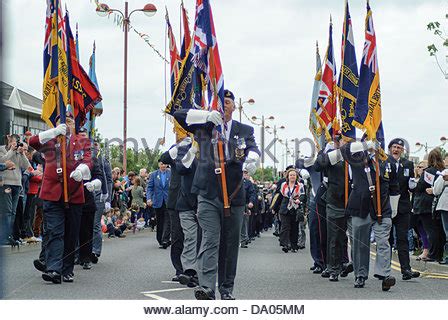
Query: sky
{"type": "Point", "coordinates": [267, 52]}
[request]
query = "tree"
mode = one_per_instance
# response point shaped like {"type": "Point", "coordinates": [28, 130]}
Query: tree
{"type": "Point", "coordinates": [264, 175]}
{"type": "Point", "coordinates": [136, 160]}
{"type": "Point", "coordinates": [435, 27]}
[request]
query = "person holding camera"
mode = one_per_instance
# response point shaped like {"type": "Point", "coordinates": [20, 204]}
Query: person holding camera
{"type": "Point", "coordinates": [11, 184]}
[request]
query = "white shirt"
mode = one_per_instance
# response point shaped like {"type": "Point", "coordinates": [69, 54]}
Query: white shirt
{"type": "Point", "coordinates": [229, 128]}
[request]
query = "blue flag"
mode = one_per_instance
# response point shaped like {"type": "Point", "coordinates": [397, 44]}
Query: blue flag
{"type": "Point", "coordinates": [368, 109]}
{"type": "Point", "coordinates": [348, 78]}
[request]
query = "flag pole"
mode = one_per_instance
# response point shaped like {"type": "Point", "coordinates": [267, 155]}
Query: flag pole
{"type": "Point", "coordinates": [63, 144]}
{"type": "Point", "coordinates": [225, 195]}
{"type": "Point", "coordinates": [377, 187]}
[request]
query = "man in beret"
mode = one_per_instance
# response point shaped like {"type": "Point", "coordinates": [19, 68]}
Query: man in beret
{"type": "Point", "coordinates": [221, 228]}
{"type": "Point", "coordinates": [401, 207]}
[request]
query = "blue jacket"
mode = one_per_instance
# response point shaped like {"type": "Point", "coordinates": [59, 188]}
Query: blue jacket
{"type": "Point", "coordinates": [155, 191]}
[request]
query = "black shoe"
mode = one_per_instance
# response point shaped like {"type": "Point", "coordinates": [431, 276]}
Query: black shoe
{"type": "Point", "coordinates": [317, 270]}
{"type": "Point", "coordinates": [360, 282]}
{"type": "Point", "coordinates": [409, 274]}
{"type": "Point", "coordinates": [301, 247]}
{"type": "Point", "coordinates": [379, 277]}
{"type": "Point", "coordinates": [325, 274]}
{"type": "Point", "coordinates": [444, 261]}
{"type": "Point", "coordinates": [68, 277]}
{"type": "Point", "coordinates": [121, 235]}
{"type": "Point", "coordinates": [348, 269]}
{"type": "Point", "coordinates": [39, 265]}
{"type": "Point", "coordinates": [176, 278]}
{"type": "Point", "coordinates": [164, 245]}
{"type": "Point", "coordinates": [243, 245]}
{"type": "Point", "coordinates": [388, 282]}
{"type": "Point", "coordinates": [52, 276]}
{"type": "Point", "coordinates": [312, 268]}
{"type": "Point", "coordinates": [227, 296]}
{"type": "Point", "coordinates": [204, 293]}
{"type": "Point", "coordinates": [333, 278]}
{"type": "Point", "coordinates": [13, 243]}
{"type": "Point", "coordinates": [285, 249]}
{"type": "Point", "coordinates": [86, 265]}
{"type": "Point", "coordinates": [276, 234]}
{"type": "Point", "coordinates": [94, 258]}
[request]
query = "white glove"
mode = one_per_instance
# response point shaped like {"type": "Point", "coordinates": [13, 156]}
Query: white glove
{"type": "Point", "coordinates": [335, 156]}
{"type": "Point", "coordinates": [173, 152]}
{"type": "Point", "coordinates": [104, 197]}
{"type": "Point", "coordinates": [394, 205]}
{"type": "Point", "coordinates": [251, 167]}
{"type": "Point", "coordinates": [304, 174]}
{"type": "Point", "coordinates": [107, 207]}
{"type": "Point", "coordinates": [82, 172]}
{"type": "Point", "coordinates": [214, 117]}
{"type": "Point", "coordinates": [412, 183]}
{"type": "Point", "coordinates": [185, 142]}
{"type": "Point", "coordinates": [372, 145]}
{"type": "Point", "coordinates": [94, 185]}
{"type": "Point", "coordinates": [329, 146]}
{"type": "Point", "coordinates": [76, 175]}
{"type": "Point", "coordinates": [49, 134]}
{"type": "Point", "coordinates": [188, 159]}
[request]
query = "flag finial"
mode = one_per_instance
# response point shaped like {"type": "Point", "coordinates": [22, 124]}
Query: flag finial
{"type": "Point", "coordinates": [331, 19]}
{"type": "Point", "coordinates": [317, 46]}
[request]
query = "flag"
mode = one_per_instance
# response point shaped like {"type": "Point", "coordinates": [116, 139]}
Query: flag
{"type": "Point", "coordinates": [314, 126]}
{"type": "Point", "coordinates": [55, 83]}
{"type": "Point", "coordinates": [206, 55]}
{"type": "Point", "coordinates": [348, 78]}
{"type": "Point", "coordinates": [98, 108]}
{"type": "Point", "coordinates": [326, 108]}
{"type": "Point", "coordinates": [174, 54]}
{"type": "Point", "coordinates": [187, 34]}
{"type": "Point", "coordinates": [83, 93]}
{"type": "Point", "coordinates": [368, 107]}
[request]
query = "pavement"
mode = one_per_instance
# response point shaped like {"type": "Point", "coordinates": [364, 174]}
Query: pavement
{"type": "Point", "coordinates": [135, 268]}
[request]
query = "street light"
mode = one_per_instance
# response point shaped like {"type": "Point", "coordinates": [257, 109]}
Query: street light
{"type": "Point", "coordinates": [255, 120]}
{"type": "Point", "coordinates": [104, 10]}
{"type": "Point", "coordinates": [240, 105]}
{"type": "Point", "coordinates": [420, 146]}
{"type": "Point", "coordinates": [275, 143]}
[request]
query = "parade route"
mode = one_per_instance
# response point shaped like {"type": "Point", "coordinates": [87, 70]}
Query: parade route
{"type": "Point", "coordinates": [135, 268]}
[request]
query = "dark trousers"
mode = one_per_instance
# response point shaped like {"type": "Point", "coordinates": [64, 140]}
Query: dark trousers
{"type": "Point", "coordinates": [86, 233]}
{"type": "Point", "coordinates": [294, 233]}
{"type": "Point", "coordinates": [38, 218]}
{"type": "Point", "coordinates": [322, 230]}
{"type": "Point", "coordinates": [401, 222]}
{"type": "Point", "coordinates": [63, 229]}
{"type": "Point", "coordinates": [436, 236]}
{"type": "Point", "coordinates": [287, 221]}
{"type": "Point", "coordinates": [163, 225]}
{"type": "Point", "coordinates": [44, 234]}
{"type": "Point", "coordinates": [177, 241]}
{"type": "Point", "coordinates": [313, 225]}
{"type": "Point", "coordinates": [337, 240]}
{"type": "Point", "coordinates": [28, 215]}
{"type": "Point", "coordinates": [19, 230]}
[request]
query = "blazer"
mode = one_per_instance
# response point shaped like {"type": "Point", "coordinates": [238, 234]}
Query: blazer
{"type": "Point", "coordinates": [404, 173]}
{"type": "Point", "coordinates": [78, 151]}
{"type": "Point", "coordinates": [186, 200]}
{"type": "Point", "coordinates": [155, 191]}
{"type": "Point", "coordinates": [360, 203]}
{"type": "Point", "coordinates": [205, 181]}
{"type": "Point", "coordinates": [173, 190]}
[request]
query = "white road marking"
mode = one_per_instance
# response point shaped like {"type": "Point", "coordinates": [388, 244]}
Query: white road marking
{"type": "Point", "coordinates": [154, 296]}
{"type": "Point", "coordinates": [166, 290]}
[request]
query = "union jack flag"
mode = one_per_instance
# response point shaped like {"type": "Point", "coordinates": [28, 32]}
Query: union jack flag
{"type": "Point", "coordinates": [174, 54]}
{"type": "Point", "coordinates": [326, 109]}
{"type": "Point", "coordinates": [206, 55]}
{"type": "Point", "coordinates": [368, 108]}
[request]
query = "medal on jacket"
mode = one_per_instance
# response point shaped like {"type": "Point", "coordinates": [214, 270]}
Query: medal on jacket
{"type": "Point", "coordinates": [240, 147]}
{"type": "Point", "coordinates": [79, 155]}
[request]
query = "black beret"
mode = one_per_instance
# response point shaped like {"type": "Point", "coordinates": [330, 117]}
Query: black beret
{"type": "Point", "coordinates": [398, 141]}
{"type": "Point", "coordinates": [229, 94]}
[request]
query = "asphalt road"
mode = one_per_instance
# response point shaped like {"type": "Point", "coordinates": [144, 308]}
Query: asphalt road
{"type": "Point", "coordinates": [135, 268]}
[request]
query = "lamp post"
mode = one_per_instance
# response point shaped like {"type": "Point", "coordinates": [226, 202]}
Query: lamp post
{"type": "Point", "coordinates": [263, 128]}
{"type": "Point", "coordinates": [103, 10]}
{"type": "Point", "coordinates": [275, 144]}
{"type": "Point", "coordinates": [241, 103]}
{"type": "Point", "coordinates": [420, 146]}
